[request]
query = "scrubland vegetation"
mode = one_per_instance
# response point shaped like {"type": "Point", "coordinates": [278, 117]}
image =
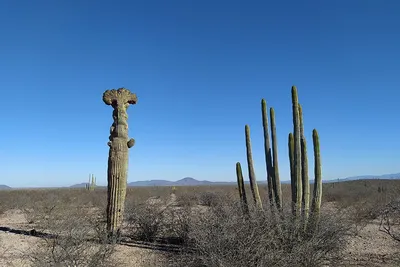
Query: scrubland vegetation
{"type": "Point", "coordinates": [198, 226]}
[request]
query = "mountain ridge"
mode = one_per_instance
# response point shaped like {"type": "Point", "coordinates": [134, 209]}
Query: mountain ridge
{"type": "Point", "coordinates": [4, 187]}
{"type": "Point", "coordinates": [189, 181]}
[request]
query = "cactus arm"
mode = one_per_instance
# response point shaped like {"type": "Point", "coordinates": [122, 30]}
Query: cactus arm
{"type": "Point", "coordinates": [131, 143]}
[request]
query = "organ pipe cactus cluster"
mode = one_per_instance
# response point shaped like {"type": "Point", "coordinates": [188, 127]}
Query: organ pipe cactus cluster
{"type": "Point", "coordinates": [91, 185]}
{"type": "Point", "coordinates": [300, 185]}
{"type": "Point", "coordinates": [119, 144]}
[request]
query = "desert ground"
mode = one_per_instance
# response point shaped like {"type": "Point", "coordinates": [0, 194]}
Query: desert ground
{"type": "Point", "coordinates": [63, 227]}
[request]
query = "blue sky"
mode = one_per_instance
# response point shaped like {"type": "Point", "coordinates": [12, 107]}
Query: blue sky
{"type": "Point", "coordinates": [199, 69]}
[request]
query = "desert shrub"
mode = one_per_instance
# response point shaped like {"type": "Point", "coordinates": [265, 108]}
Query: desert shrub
{"type": "Point", "coordinates": [187, 199]}
{"type": "Point", "coordinates": [222, 236]}
{"type": "Point", "coordinates": [177, 225]}
{"type": "Point", "coordinates": [360, 214]}
{"type": "Point", "coordinates": [390, 220]}
{"type": "Point", "coordinates": [209, 199]}
{"type": "Point", "coordinates": [145, 220]}
{"type": "Point", "coordinates": [3, 208]}
{"type": "Point", "coordinates": [76, 237]}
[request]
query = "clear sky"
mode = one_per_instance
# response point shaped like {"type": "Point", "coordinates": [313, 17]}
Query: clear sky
{"type": "Point", "coordinates": [199, 69]}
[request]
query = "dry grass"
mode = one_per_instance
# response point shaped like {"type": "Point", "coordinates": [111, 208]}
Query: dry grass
{"type": "Point", "coordinates": [198, 219]}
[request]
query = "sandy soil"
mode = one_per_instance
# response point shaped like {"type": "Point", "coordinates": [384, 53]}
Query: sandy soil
{"type": "Point", "coordinates": [370, 248]}
{"type": "Point", "coordinates": [14, 246]}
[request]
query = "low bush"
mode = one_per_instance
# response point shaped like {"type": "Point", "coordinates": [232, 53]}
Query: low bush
{"type": "Point", "coordinates": [75, 237]}
{"type": "Point", "coordinates": [222, 236]}
{"type": "Point", "coordinates": [145, 220]}
{"type": "Point", "coordinates": [187, 199]}
{"type": "Point", "coordinates": [209, 199]}
{"type": "Point", "coordinates": [390, 220]}
{"type": "Point", "coordinates": [177, 225]}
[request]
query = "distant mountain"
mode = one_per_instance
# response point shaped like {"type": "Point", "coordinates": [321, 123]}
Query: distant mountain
{"type": "Point", "coordinates": [189, 181]}
{"type": "Point", "coordinates": [390, 176]}
{"type": "Point", "coordinates": [4, 187]}
{"type": "Point", "coordinates": [81, 185]}
{"type": "Point", "coordinates": [151, 183]}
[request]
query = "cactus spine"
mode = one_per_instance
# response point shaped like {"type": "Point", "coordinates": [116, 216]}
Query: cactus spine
{"type": "Point", "coordinates": [267, 149]}
{"type": "Point", "coordinates": [300, 185]}
{"type": "Point", "coordinates": [119, 144]}
{"type": "Point", "coordinates": [276, 180]}
{"type": "Point", "coordinates": [252, 176]}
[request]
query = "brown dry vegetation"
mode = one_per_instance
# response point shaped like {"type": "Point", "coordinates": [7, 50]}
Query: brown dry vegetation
{"type": "Point", "coordinates": [198, 226]}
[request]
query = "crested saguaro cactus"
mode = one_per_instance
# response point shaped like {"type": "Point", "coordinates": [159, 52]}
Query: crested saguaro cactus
{"type": "Point", "coordinates": [118, 156]}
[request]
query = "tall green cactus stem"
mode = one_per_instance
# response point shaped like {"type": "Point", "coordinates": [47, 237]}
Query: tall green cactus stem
{"type": "Point", "coordinates": [93, 183]}
{"type": "Point", "coordinates": [89, 182]}
{"type": "Point", "coordinates": [252, 176]}
{"type": "Point", "coordinates": [242, 190]}
{"type": "Point", "coordinates": [317, 194]}
{"type": "Point", "coordinates": [297, 149]}
{"type": "Point", "coordinates": [268, 153]}
{"type": "Point", "coordinates": [304, 170]}
{"type": "Point", "coordinates": [292, 177]}
{"type": "Point", "coordinates": [119, 144]}
{"type": "Point", "coordinates": [276, 180]}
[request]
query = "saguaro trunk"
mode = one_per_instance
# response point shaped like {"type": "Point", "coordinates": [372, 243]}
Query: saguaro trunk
{"type": "Point", "coordinates": [119, 144]}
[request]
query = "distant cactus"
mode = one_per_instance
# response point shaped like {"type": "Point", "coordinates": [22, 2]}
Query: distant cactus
{"type": "Point", "coordinates": [300, 185]}
{"type": "Point", "coordinates": [118, 157]}
{"type": "Point", "coordinates": [91, 185]}
{"type": "Point", "coordinates": [252, 176]}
